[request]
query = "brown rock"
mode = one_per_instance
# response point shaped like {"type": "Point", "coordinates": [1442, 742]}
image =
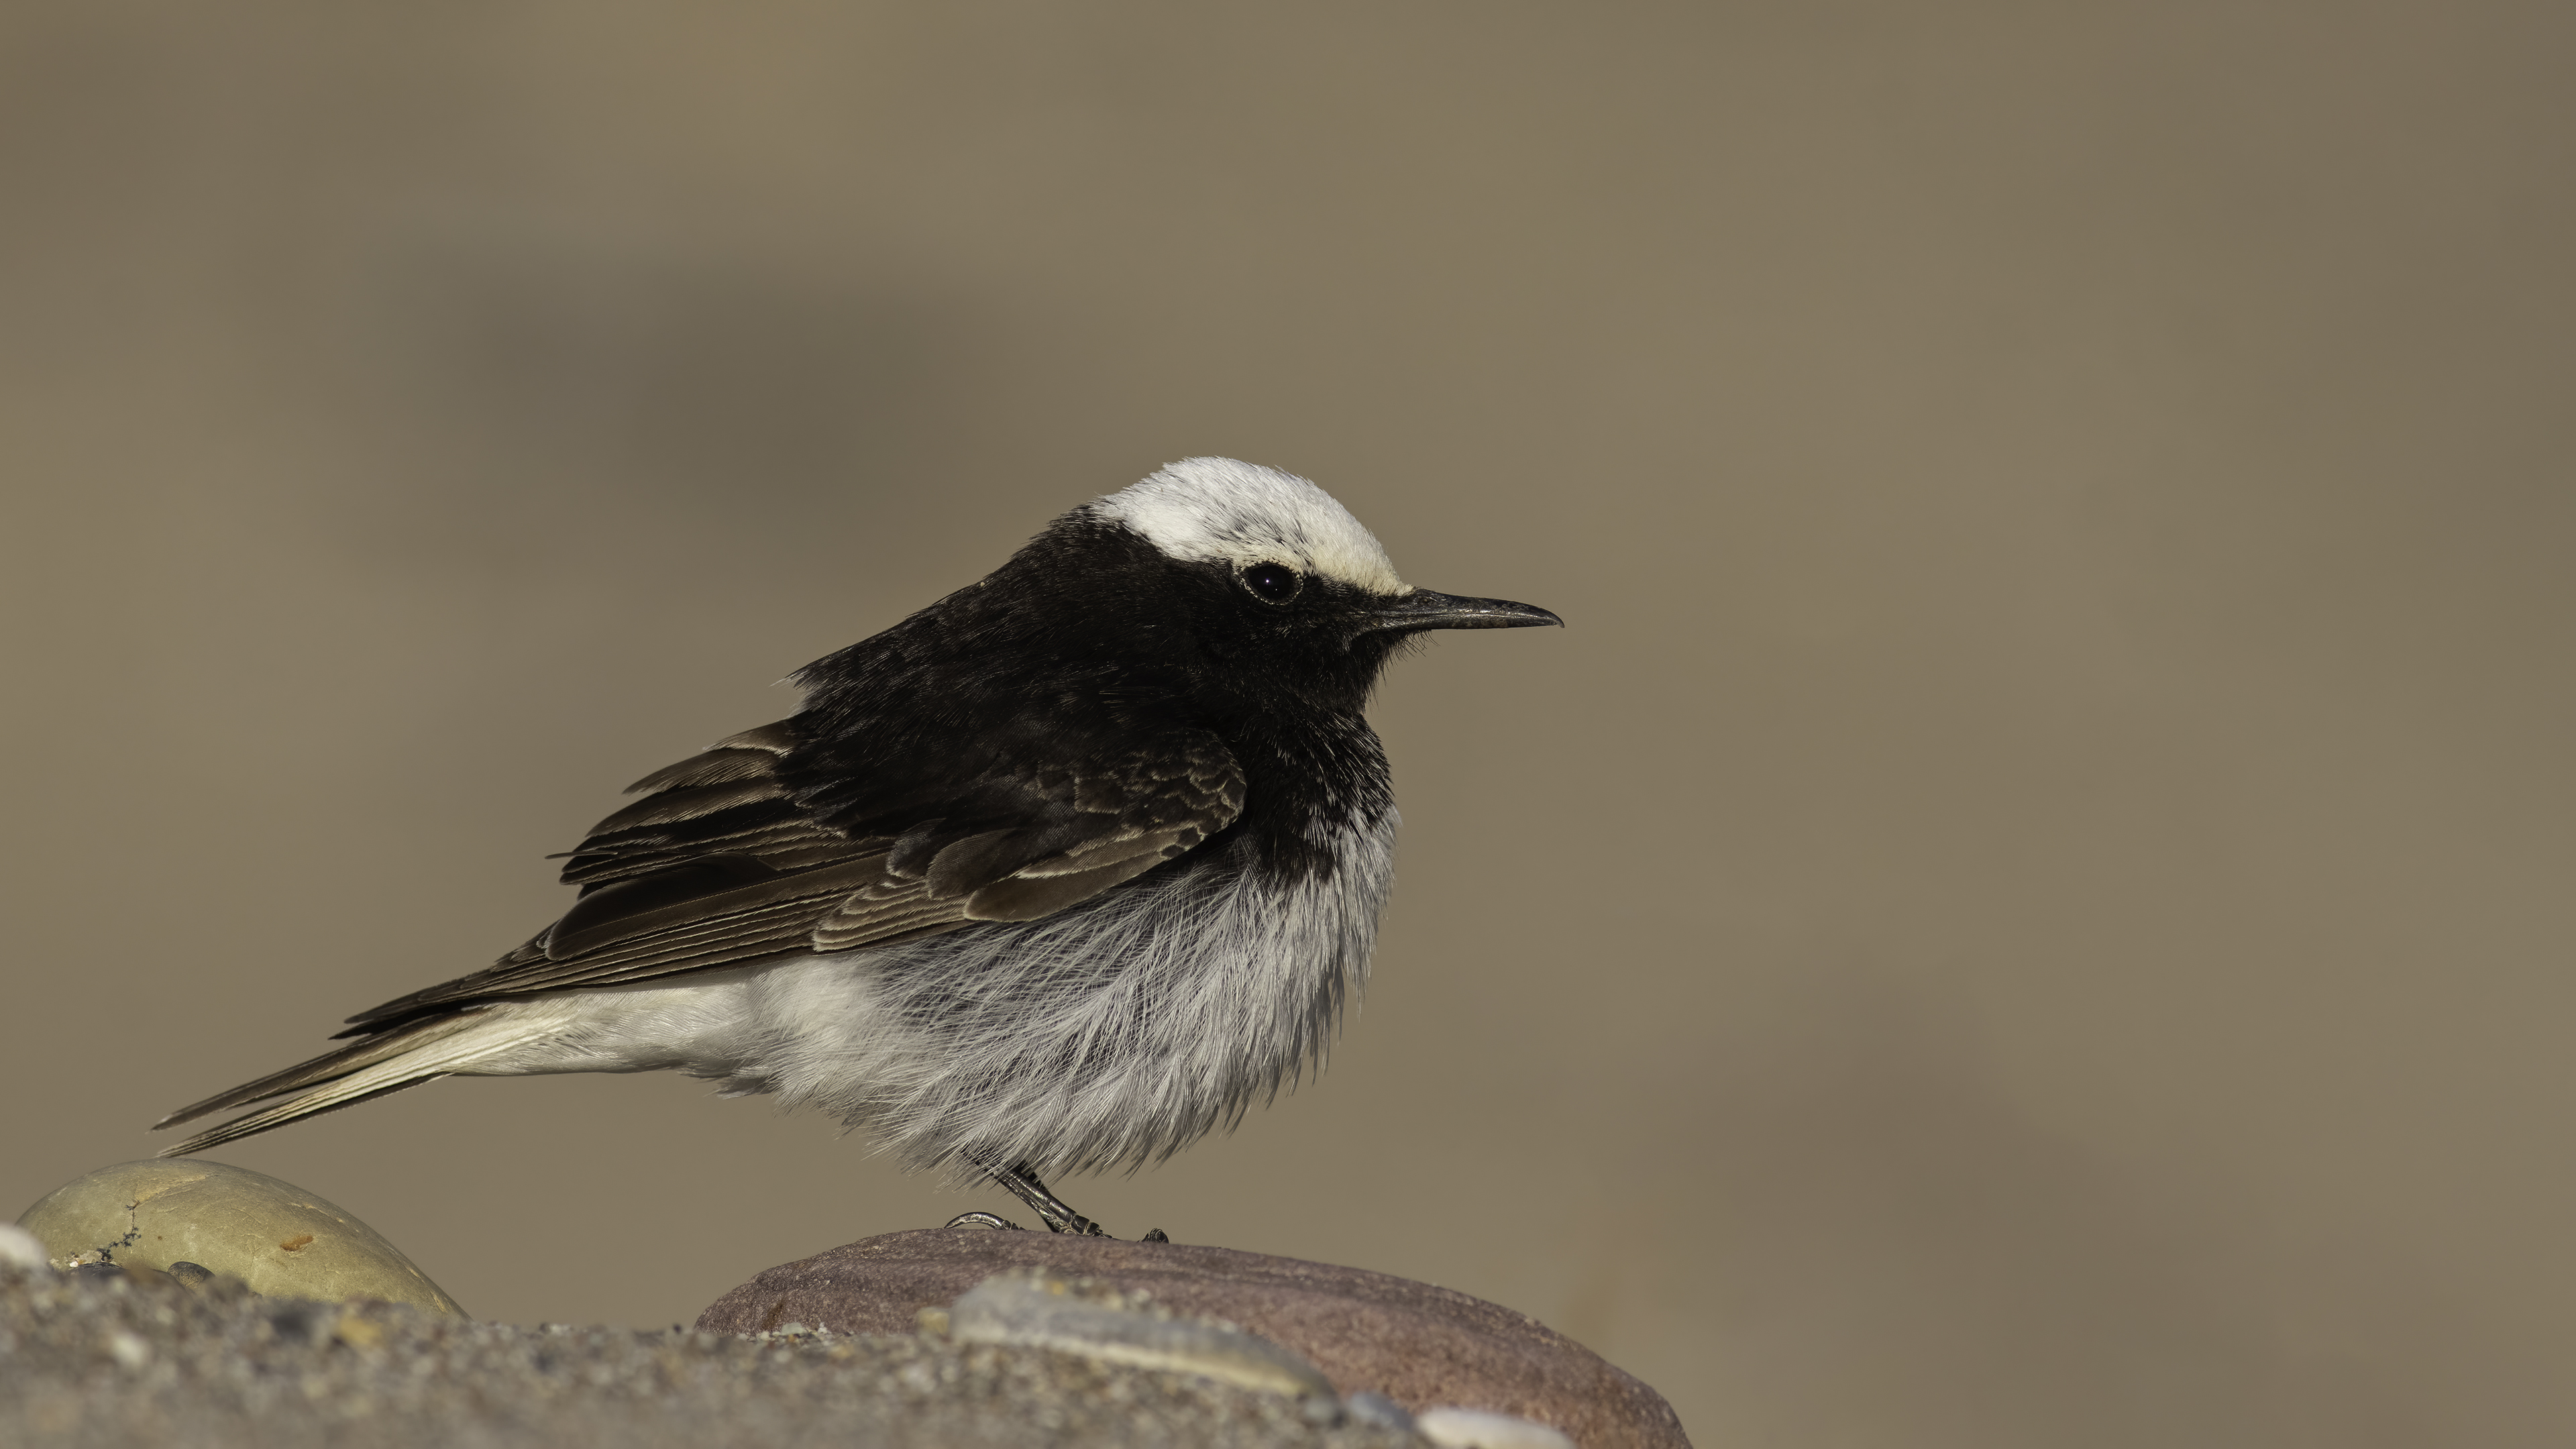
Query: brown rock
{"type": "Point", "coordinates": [1418, 1345]}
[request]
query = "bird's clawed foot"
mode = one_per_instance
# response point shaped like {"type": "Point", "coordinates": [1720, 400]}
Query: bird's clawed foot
{"type": "Point", "coordinates": [1022, 1182]}
{"type": "Point", "coordinates": [993, 1220]}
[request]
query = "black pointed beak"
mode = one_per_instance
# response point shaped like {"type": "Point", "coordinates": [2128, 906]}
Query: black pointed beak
{"type": "Point", "coordinates": [1424, 609]}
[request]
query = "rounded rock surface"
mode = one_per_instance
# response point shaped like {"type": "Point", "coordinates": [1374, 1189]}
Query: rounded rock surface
{"type": "Point", "coordinates": [217, 1219]}
{"type": "Point", "coordinates": [1416, 1345]}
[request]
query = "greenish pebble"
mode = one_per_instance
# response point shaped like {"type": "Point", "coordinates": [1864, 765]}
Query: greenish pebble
{"type": "Point", "coordinates": [208, 1218]}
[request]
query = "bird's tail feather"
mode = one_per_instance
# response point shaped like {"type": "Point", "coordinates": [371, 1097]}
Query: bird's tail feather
{"type": "Point", "coordinates": [404, 1057]}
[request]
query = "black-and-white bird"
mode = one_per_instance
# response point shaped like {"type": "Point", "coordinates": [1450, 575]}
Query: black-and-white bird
{"type": "Point", "coordinates": [1057, 874]}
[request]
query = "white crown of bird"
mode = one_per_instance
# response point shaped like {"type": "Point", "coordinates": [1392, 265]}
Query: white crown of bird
{"type": "Point", "coordinates": [1221, 510]}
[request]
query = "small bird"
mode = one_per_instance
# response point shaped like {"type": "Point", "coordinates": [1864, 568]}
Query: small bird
{"type": "Point", "coordinates": [1058, 874]}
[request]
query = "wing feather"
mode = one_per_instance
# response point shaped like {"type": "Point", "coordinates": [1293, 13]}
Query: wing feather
{"type": "Point", "coordinates": [724, 862]}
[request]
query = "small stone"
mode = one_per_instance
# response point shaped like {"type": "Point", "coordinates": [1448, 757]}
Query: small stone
{"type": "Point", "coordinates": [1047, 1312]}
{"type": "Point", "coordinates": [19, 1248]}
{"type": "Point", "coordinates": [296, 1320]}
{"type": "Point", "coordinates": [1476, 1429]}
{"type": "Point", "coordinates": [1379, 1410]}
{"type": "Point", "coordinates": [224, 1221]}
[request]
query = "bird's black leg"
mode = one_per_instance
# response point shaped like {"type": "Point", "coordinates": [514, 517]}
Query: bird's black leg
{"type": "Point", "coordinates": [1021, 1181]}
{"type": "Point", "coordinates": [1060, 1217]}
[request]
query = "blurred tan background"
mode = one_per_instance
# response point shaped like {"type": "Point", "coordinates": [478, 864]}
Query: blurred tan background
{"type": "Point", "coordinates": [2030, 907]}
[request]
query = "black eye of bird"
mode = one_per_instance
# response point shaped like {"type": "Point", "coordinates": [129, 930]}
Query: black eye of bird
{"type": "Point", "coordinates": [1273, 583]}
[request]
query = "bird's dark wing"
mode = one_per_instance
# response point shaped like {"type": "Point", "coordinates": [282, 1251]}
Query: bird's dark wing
{"type": "Point", "coordinates": [721, 863]}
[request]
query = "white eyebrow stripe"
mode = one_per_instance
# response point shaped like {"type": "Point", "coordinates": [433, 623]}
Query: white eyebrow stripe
{"type": "Point", "coordinates": [1220, 510]}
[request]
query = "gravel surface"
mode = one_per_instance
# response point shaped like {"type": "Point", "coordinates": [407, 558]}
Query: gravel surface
{"type": "Point", "coordinates": [109, 1359]}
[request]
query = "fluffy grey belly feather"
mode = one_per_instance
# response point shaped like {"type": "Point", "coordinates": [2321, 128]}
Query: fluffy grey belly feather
{"type": "Point", "coordinates": [1109, 1034]}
